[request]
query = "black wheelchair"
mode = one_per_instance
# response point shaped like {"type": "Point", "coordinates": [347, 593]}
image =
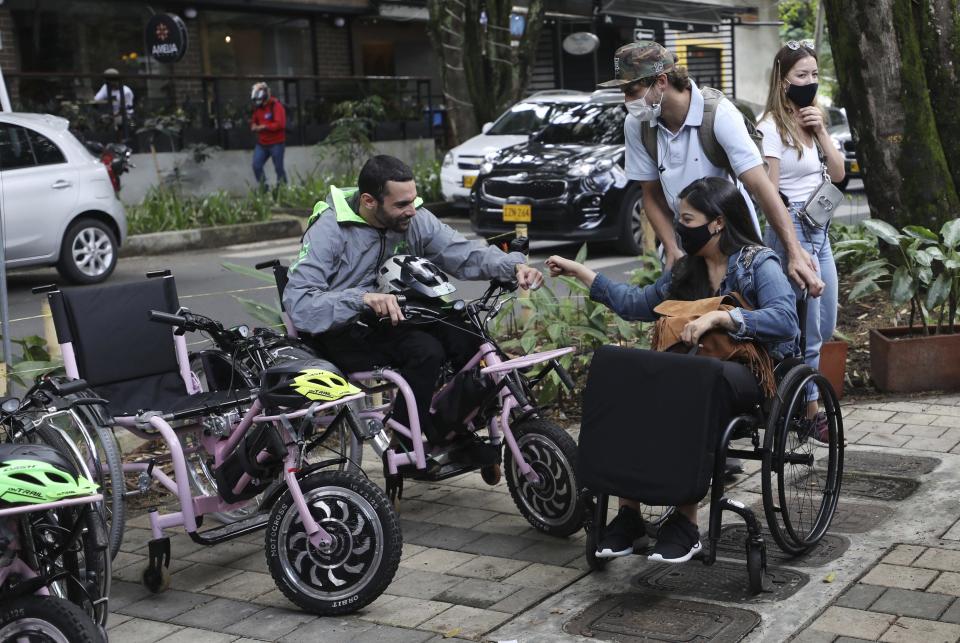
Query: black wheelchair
{"type": "Point", "coordinates": [688, 401]}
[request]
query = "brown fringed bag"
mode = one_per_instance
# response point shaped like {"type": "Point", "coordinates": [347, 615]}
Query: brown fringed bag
{"type": "Point", "coordinates": [675, 314]}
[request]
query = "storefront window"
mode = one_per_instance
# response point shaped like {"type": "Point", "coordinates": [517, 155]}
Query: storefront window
{"type": "Point", "coordinates": [251, 44]}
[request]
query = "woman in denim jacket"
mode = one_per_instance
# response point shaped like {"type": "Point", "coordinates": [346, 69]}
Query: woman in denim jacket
{"type": "Point", "coordinates": [723, 255]}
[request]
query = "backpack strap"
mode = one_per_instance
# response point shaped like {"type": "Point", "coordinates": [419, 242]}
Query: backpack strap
{"type": "Point", "coordinates": [708, 138]}
{"type": "Point", "coordinates": [648, 136]}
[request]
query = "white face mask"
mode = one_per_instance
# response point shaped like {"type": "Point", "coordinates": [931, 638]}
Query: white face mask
{"type": "Point", "coordinates": [642, 111]}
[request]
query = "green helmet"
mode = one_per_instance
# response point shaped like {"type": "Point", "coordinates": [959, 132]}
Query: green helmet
{"type": "Point", "coordinates": [36, 473]}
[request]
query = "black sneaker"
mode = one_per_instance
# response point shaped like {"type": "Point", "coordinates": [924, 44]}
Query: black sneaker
{"type": "Point", "coordinates": [620, 534]}
{"type": "Point", "coordinates": [677, 542]}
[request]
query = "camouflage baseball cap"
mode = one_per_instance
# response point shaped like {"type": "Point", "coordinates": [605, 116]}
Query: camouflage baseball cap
{"type": "Point", "coordinates": [639, 60]}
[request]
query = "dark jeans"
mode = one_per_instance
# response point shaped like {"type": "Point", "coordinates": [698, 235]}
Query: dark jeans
{"type": "Point", "coordinates": [260, 155]}
{"type": "Point", "coordinates": [416, 352]}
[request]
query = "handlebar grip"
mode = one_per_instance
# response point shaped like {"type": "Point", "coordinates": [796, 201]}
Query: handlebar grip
{"type": "Point", "coordinates": [563, 374]}
{"type": "Point", "coordinates": [68, 388]}
{"type": "Point", "coordinates": [267, 264]}
{"type": "Point", "coordinates": [167, 318]}
{"type": "Point", "coordinates": [516, 392]}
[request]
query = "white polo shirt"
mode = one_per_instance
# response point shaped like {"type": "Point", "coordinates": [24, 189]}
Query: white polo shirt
{"type": "Point", "coordinates": [682, 160]}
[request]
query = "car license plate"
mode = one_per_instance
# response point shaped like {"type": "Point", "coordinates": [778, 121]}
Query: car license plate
{"type": "Point", "coordinates": [854, 166]}
{"type": "Point", "coordinates": [469, 180]}
{"type": "Point", "coordinates": [516, 213]}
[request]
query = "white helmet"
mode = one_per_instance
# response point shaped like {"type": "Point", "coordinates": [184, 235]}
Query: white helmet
{"type": "Point", "coordinates": [413, 276]}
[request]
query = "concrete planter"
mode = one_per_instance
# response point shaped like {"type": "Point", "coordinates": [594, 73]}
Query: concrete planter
{"type": "Point", "coordinates": [833, 364]}
{"type": "Point", "coordinates": [156, 243]}
{"type": "Point", "coordinates": [903, 360]}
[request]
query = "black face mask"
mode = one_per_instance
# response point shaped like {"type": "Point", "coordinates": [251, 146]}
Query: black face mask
{"type": "Point", "coordinates": [802, 95]}
{"type": "Point", "coordinates": [693, 239]}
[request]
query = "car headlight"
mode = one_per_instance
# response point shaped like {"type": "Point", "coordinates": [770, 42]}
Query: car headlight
{"type": "Point", "coordinates": [584, 168]}
{"type": "Point", "coordinates": [448, 159]}
{"type": "Point", "coordinates": [486, 167]}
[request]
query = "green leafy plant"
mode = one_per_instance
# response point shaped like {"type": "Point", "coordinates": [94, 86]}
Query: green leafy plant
{"type": "Point", "coordinates": [922, 269]}
{"type": "Point", "coordinates": [649, 271]}
{"type": "Point", "coordinates": [549, 319]}
{"type": "Point", "coordinates": [166, 208]}
{"type": "Point", "coordinates": [853, 245]}
{"type": "Point", "coordinates": [270, 315]}
{"type": "Point", "coordinates": [351, 133]}
{"type": "Point", "coordinates": [34, 360]}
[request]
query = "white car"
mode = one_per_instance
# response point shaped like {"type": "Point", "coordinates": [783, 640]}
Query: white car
{"type": "Point", "coordinates": [462, 164]}
{"type": "Point", "coordinates": [59, 207]}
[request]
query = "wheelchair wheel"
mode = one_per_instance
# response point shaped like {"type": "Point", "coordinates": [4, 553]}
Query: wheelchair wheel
{"type": "Point", "coordinates": [44, 618]}
{"type": "Point", "coordinates": [654, 516]}
{"type": "Point", "coordinates": [83, 561]}
{"type": "Point", "coordinates": [96, 446]}
{"type": "Point", "coordinates": [553, 506]}
{"type": "Point", "coordinates": [801, 475]}
{"type": "Point", "coordinates": [363, 558]}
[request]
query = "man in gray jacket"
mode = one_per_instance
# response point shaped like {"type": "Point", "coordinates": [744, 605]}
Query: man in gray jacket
{"type": "Point", "coordinates": [334, 281]}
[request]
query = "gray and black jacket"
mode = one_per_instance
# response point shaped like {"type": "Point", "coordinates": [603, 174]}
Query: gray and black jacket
{"type": "Point", "coordinates": [341, 253]}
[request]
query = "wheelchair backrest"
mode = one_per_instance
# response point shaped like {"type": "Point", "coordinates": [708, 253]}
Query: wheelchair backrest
{"type": "Point", "coordinates": [116, 347]}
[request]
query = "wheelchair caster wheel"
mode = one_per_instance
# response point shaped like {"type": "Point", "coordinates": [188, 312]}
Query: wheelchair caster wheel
{"type": "Point", "coordinates": [491, 474]}
{"type": "Point", "coordinates": [157, 580]}
{"type": "Point", "coordinates": [755, 567]}
{"type": "Point", "coordinates": [596, 564]}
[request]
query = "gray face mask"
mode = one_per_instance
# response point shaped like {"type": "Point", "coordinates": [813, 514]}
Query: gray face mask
{"type": "Point", "coordinates": [642, 111]}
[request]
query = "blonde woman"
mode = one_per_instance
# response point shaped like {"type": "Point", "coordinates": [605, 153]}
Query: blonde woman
{"type": "Point", "coordinates": [793, 129]}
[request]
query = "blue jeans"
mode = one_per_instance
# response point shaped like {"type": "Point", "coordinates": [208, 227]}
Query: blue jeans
{"type": "Point", "coordinates": [821, 311]}
{"type": "Point", "coordinates": [260, 155]}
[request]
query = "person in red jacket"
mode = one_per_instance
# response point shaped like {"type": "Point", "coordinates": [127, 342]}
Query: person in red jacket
{"type": "Point", "coordinates": [269, 121]}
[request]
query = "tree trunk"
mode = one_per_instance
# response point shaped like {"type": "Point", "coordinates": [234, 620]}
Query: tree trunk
{"type": "Point", "coordinates": [481, 70]}
{"type": "Point", "coordinates": [894, 104]}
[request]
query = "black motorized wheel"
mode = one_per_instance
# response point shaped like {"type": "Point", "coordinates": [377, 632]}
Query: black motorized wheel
{"type": "Point", "coordinates": [553, 505]}
{"type": "Point", "coordinates": [630, 223]}
{"type": "Point", "coordinates": [88, 253]}
{"type": "Point", "coordinates": [802, 466]}
{"type": "Point", "coordinates": [46, 619]}
{"type": "Point", "coordinates": [360, 562]}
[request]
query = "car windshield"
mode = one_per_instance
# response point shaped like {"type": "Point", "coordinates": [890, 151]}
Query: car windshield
{"type": "Point", "coordinates": [586, 124]}
{"type": "Point", "coordinates": [527, 118]}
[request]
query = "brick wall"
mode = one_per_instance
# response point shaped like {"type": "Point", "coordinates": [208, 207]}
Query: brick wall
{"type": "Point", "coordinates": [191, 64]}
{"type": "Point", "coordinates": [333, 48]}
{"type": "Point", "coordinates": [9, 56]}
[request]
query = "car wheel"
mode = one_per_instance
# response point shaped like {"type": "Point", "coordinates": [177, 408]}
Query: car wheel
{"type": "Point", "coordinates": [88, 253]}
{"type": "Point", "coordinates": [630, 238]}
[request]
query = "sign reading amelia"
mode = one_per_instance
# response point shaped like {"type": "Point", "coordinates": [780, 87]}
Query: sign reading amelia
{"type": "Point", "coordinates": [166, 37]}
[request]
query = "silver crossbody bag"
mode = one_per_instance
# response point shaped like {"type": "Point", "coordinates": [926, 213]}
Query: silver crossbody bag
{"type": "Point", "coordinates": [820, 207]}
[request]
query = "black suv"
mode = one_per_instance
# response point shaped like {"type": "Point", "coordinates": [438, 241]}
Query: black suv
{"type": "Point", "coordinates": [566, 182]}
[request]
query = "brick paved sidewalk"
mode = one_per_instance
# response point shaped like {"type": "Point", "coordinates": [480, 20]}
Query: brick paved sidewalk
{"type": "Point", "coordinates": [472, 566]}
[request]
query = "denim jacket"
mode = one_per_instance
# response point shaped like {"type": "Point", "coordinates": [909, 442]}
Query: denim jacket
{"type": "Point", "coordinates": [754, 272]}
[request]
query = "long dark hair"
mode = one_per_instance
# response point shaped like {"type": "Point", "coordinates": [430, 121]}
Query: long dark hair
{"type": "Point", "coordinates": [713, 197]}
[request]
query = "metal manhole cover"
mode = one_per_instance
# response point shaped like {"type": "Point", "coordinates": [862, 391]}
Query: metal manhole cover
{"type": "Point", "coordinates": [857, 517]}
{"type": "Point", "coordinates": [878, 487]}
{"type": "Point", "coordinates": [733, 538]}
{"type": "Point", "coordinates": [722, 581]}
{"type": "Point", "coordinates": [637, 618]}
{"type": "Point", "coordinates": [850, 518]}
{"type": "Point", "coordinates": [886, 464]}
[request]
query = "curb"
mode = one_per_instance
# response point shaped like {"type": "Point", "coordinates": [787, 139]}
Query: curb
{"type": "Point", "coordinates": [155, 243]}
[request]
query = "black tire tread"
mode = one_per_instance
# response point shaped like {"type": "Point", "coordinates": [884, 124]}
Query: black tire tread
{"type": "Point", "coordinates": [62, 614]}
{"type": "Point", "coordinates": [392, 538]}
{"type": "Point", "coordinates": [566, 444]}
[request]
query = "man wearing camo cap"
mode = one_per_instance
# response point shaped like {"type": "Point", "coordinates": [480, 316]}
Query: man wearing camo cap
{"type": "Point", "coordinates": [659, 93]}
